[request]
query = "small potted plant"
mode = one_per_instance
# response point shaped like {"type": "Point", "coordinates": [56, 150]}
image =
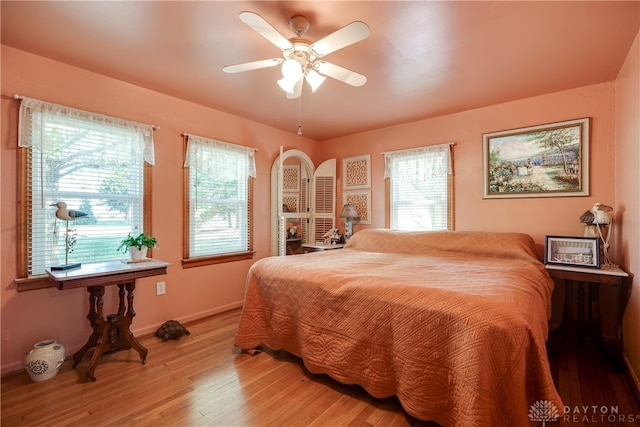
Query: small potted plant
{"type": "Point", "coordinates": [137, 246]}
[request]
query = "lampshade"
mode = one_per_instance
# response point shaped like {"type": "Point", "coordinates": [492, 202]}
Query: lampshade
{"type": "Point", "coordinates": [291, 69]}
{"type": "Point", "coordinates": [314, 79]}
{"type": "Point", "coordinates": [349, 211]}
{"type": "Point", "coordinates": [291, 73]}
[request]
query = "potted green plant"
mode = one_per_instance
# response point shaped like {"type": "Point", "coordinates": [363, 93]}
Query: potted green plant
{"type": "Point", "coordinates": [137, 246]}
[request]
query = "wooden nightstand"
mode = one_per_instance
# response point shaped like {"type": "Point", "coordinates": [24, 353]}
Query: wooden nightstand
{"type": "Point", "coordinates": [294, 246]}
{"type": "Point", "coordinates": [318, 247]}
{"type": "Point", "coordinates": [595, 278]}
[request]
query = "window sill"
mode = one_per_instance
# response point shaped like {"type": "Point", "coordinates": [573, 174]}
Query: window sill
{"type": "Point", "coordinates": [33, 283]}
{"type": "Point", "coordinates": [218, 259]}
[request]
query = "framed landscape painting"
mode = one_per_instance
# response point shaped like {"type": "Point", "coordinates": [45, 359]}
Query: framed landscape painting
{"type": "Point", "coordinates": [550, 160]}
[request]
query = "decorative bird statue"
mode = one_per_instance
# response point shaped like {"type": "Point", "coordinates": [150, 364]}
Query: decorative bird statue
{"type": "Point", "coordinates": [67, 214]}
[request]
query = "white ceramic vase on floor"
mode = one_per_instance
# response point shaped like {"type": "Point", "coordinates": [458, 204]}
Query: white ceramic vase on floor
{"type": "Point", "coordinates": [43, 361]}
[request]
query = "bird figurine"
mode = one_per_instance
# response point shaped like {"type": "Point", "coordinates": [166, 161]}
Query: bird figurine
{"type": "Point", "coordinates": [67, 214]}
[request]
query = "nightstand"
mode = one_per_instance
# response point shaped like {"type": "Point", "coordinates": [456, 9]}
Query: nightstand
{"type": "Point", "coordinates": [318, 247]}
{"type": "Point", "coordinates": [595, 278]}
{"type": "Point", "coordinates": [294, 246]}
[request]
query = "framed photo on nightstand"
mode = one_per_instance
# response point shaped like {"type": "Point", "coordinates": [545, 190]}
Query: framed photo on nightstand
{"type": "Point", "coordinates": [575, 251]}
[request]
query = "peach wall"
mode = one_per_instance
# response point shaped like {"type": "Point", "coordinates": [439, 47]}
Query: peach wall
{"type": "Point", "coordinates": [628, 194]}
{"type": "Point", "coordinates": [536, 216]}
{"type": "Point", "coordinates": [191, 293]}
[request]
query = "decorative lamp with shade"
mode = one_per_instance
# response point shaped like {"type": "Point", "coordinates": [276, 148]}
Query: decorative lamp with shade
{"type": "Point", "coordinates": [349, 213]}
{"type": "Point", "coordinates": [598, 223]}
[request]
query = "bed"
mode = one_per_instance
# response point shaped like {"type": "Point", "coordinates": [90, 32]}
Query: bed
{"type": "Point", "coordinates": [453, 323]}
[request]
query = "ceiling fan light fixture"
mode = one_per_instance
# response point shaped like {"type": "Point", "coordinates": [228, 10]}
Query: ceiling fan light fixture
{"type": "Point", "coordinates": [301, 57]}
{"type": "Point", "coordinates": [291, 69]}
{"type": "Point", "coordinates": [291, 73]}
{"type": "Point", "coordinates": [314, 79]}
{"type": "Point", "coordinates": [287, 85]}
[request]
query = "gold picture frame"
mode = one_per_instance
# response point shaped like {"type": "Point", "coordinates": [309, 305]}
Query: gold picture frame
{"type": "Point", "coordinates": [550, 160]}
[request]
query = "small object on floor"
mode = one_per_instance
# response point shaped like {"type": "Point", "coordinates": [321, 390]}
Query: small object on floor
{"type": "Point", "coordinates": [171, 329]}
{"type": "Point", "coordinates": [254, 351]}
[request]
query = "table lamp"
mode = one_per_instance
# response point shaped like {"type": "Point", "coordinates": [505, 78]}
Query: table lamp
{"type": "Point", "coordinates": [349, 213]}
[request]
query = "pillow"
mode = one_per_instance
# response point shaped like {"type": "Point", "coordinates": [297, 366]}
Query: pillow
{"type": "Point", "coordinates": [483, 243]}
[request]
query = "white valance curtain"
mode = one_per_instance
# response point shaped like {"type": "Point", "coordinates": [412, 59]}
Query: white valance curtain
{"type": "Point", "coordinates": [31, 135]}
{"type": "Point", "coordinates": [435, 165]}
{"type": "Point", "coordinates": [197, 144]}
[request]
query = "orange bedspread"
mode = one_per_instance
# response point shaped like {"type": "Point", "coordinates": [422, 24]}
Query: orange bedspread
{"type": "Point", "coordinates": [453, 323]}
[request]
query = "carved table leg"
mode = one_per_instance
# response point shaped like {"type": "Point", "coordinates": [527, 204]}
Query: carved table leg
{"type": "Point", "coordinates": [103, 341]}
{"type": "Point", "coordinates": [96, 319]}
{"type": "Point", "coordinates": [111, 334]}
{"type": "Point", "coordinates": [121, 306]}
{"type": "Point", "coordinates": [126, 323]}
{"type": "Point", "coordinates": [117, 333]}
{"type": "Point", "coordinates": [594, 310]}
{"type": "Point", "coordinates": [581, 314]}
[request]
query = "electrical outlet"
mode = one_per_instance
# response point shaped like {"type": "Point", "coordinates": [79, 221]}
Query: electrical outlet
{"type": "Point", "coordinates": [160, 288]}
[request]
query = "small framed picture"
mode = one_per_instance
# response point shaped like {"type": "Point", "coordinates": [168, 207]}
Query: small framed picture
{"type": "Point", "coordinates": [575, 251]}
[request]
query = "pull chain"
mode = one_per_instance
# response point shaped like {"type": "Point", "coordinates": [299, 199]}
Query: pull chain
{"type": "Point", "coordinates": [299, 123]}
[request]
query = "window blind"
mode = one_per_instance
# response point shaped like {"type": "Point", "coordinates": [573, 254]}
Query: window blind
{"type": "Point", "coordinates": [420, 196]}
{"type": "Point", "coordinates": [94, 164]}
{"type": "Point", "coordinates": [218, 200]}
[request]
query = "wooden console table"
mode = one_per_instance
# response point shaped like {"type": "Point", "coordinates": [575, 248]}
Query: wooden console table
{"type": "Point", "coordinates": [111, 333]}
{"type": "Point", "coordinates": [595, 278]}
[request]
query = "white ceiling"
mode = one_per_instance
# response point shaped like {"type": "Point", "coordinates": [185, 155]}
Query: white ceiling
{"type": "Point", "coordinates": [422, 59]}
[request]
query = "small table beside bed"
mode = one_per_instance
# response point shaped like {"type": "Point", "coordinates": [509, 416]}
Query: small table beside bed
{"type": "Point", "coordinates": [453, 323]}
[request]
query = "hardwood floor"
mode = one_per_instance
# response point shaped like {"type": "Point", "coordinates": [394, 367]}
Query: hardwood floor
{"type": "Point", "coordinates": [199, 381]}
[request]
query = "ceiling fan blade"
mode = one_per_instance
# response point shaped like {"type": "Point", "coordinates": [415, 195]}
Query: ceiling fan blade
{"type": "Point", "coordinates": [334, 71]}
{"type": "Point", "coordinates": [345, 36]}
{"type": "Point", "coordinates": [265, 29]}
{"type": "Point", "coordinates": [255, 65]}
{"type": "Point", "coordinates": [297, 89]}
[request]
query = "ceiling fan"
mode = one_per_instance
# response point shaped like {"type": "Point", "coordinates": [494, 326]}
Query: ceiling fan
{"type": "Point", "coordinates": [302, 60]}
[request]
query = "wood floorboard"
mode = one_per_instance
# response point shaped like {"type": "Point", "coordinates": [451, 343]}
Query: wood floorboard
{"type": "Point", "coordinates": [200, 381]}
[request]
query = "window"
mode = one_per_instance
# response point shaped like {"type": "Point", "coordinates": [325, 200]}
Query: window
{"type": "Point", "coordinates": [419, 190]}
{"type": "Point", "coordinates": [94, 164]}
{"type": "Point", "coordinates": [218, 205]}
